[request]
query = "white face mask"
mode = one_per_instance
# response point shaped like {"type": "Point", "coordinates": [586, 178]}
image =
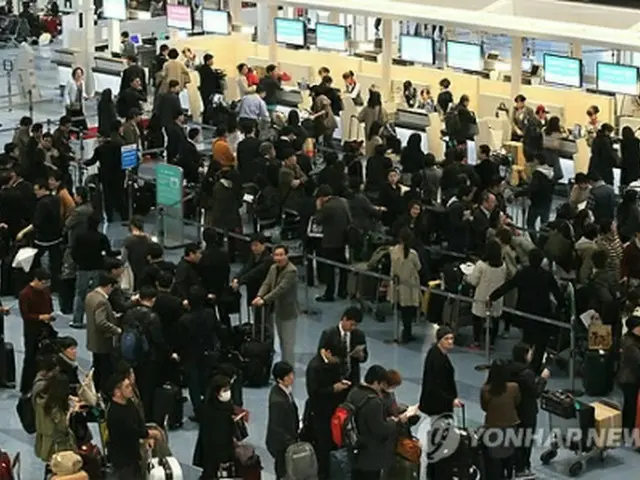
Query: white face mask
{"type": "Point", "coordinates": [225, 396]}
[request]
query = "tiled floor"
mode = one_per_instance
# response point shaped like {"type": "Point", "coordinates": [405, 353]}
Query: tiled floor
{"type": "Point", "coordinates": [407, 359]}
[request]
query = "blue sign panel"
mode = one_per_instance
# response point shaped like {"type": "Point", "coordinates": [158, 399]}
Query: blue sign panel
{"type": "Point", "coordinates": [129, 156]}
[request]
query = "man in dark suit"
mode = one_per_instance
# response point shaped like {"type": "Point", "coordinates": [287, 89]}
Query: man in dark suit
{"type": "Point", "coordinates": [132, 71]}
{"type": "Point", "coordinates": [326, 389]}
{"type": "Point", "coordinates": [176, 138]}
{"type": "Point", "coordinates": [347, 343]}
{"type": "Point", "coordinates": [481, 222]}
{"type": "Point", "coordinates": [248, 151]}
{"type": "Point", "coordinates": [439, 395]}
{"type": "Point", "coordinates": [187, 275]}
{"type": "Point", "coordinates": [283, 421]}
{"type": "Point", "coordinates": [167, 105]}
{"type": "Point", "coordinates": [254, 272]}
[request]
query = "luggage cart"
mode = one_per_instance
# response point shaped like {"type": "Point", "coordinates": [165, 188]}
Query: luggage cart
{"type": "Point", "coordinates": [567, 414]}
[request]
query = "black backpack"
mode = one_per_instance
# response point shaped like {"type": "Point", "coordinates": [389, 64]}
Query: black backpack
{"type": "Point", "coordinates": [452, 122]}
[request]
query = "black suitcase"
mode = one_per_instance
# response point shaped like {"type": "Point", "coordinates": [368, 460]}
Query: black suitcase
{"type": "Point", "coordinates": [66, 295]}
{"type": "Point", "coordinates": [257, 353]}
{"type": "Point", "coordinates": [598, 373]}
{"type": "Point", "coordinates": [168, 406]}
{"type": "Point", "coordinates": [7, 364]}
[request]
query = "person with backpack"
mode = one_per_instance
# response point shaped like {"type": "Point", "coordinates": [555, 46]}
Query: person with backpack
{"type": "Point", "coordinates": [143, 346]}
{"type": "Point", "coordinates": [376, 434]}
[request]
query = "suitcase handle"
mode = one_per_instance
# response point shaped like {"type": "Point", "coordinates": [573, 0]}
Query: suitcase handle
{"type": "Point", "coordinates": [262, 318]}
{"type": "Point", "coordinates": [463, 414]}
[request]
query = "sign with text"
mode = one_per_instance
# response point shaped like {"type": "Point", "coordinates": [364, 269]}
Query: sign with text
{"type": "Point", "coordinates": [169, 182]}
{"type": "Point", "coordinates": [179, 16]}
{"type": "Point", "coordinates": [128, 156]}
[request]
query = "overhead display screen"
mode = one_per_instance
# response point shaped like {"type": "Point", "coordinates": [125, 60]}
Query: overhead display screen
{"type": "Point", "coordinates": [290, 32]}
{"type": "Point", "coordinates": [179, 16]}
{"type": "Point", "coordinates": [561, 70]}
{"type": "Point", "coordinates": [614, 78]}
{"type": "Point", "coordinates": [215, 21]}
{"type": "Point", "coordinates": [331, 37]}
{"type": "Point", "coordinates": [417, 49]}
{"type": "Point", "coordinates": [465, 56]}
{"type": "Point", "coordinates": [114, 9]}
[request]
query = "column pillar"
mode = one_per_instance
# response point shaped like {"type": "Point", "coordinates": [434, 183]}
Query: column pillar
{"type": "Point", "coordinates": [516, 65]}
{"type": "Point", "coordinates": [235, 9]}
{"type": "Point", "coordinates": [575, 50]}
{"type": "Point", "coordinates": [88, 31]}
{"type": "Point", "coordinates": [113, 34]}
{"type": "Point", "coordinates": [266, 14]}
{"type": "Point", "coordinates": [387, 53]}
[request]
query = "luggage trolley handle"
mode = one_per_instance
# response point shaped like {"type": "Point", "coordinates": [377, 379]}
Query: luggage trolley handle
{"type": "Point", "coordinates": [463, 415]}
{"type": "Point", "coordinates": [263, 321]}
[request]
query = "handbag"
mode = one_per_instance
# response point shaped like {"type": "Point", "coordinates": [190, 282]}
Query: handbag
{"type": "Point", "coordinates": [87, 390]}
{"type": "Point", "coordinates": [409, 448]}
{"type": "Point", "coordinates": [27, 414]}
{"type": "Point", "coordinates": [65, 463]}
{"type": "Point", "coordinates": [240, 430]}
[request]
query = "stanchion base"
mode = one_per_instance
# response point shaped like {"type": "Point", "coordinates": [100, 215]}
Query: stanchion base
{"type": "Point", "coordinates": [483, 367]}
{"type": "Point", "coordinates": [393, 341]}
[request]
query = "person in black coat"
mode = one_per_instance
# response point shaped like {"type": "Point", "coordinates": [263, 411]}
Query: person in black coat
{"type": "Point", "coordinates": [214, 269]}
{"type": "Point", "coordinates": [535, 287]}
{"type": "Point", "coordinates": [481, 222]}
{"type": "Point", "coordinates": [187, 273]}
{"type": "Point", "coordinates": [167, 105]}
{"type": "Point", "coordinates": [131, 98]}
{"type": "Point", "coordinates": [67, 361]}
{"type": "Point", "coordinates": [603, 156]}
{"type": "Point", "coordinates": [176, 138]}
{"type": "Point", "coordinates": [255, 270]}
{"type": "Point", "coordinates": [531, 387]}
{"type": "Point", "coordinates": [283, 421]}
{"type": "Point", "coordinates": [412, 158]}
{"type": "Point", "coordinates": [391, 198]}
{"type": "Point", "coordinates": [107, 114]}
{"type": "Point", "coordinates": [169, 309]}
{"type": "Point", "coordinates": [486, 169]}
{"type": "Point", "coordinates": [326, 389]}
{"type": "Point", "coordinates": [215, 444]}
{"type": "Point", "coordinates": [248, 151]}
{"type": "Point", "coordinates": [630, 150]}
{"type": "Point", "coordinates": [439, 395]}
{"type": "Point", "coordinates": [198, 340]}
{"type": "Point", "coordinates": [133, 71]}
{"type": "Point", "coordinates": [347, 343]}
{"type": "Point", "coordinates": [458, 211]}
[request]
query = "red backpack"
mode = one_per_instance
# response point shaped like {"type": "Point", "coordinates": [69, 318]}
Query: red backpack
{"type": "Point", "coordinates": [8, 467]}
{"type": "Point", "coordinates": [344, 429]}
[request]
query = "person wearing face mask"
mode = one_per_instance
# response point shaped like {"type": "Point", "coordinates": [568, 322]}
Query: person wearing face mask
{"type": "Point", "coordinates": [326, 389]}
{"type": "Point", "coordinates": [283, 421]}
{"type": "Point", "coordinates": [531, 387]}
{"type": "Point", "coordinates": [215, 444]}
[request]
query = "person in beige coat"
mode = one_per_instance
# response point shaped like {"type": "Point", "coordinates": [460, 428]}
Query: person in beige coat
{"type": "Point", "coordinates": [510, 259]}
{"type": "Point", "coordinates": [405, 270]}
{"type": "Point", "coordinates": [173, 69]}
{"type": "Point", "coordinates": [487, 275]}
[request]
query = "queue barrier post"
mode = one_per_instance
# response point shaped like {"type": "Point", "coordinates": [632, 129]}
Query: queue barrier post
{"type": "Point", "coordinates": [308, 261]}
{"type": "Point", "coordinates": [30, 100]}
{"type": "Point", "coordinates": [161, 229]}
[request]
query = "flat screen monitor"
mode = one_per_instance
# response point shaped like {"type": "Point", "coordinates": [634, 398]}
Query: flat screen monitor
{"type": "Point", "coordinates": [417, 49]}
{"type": "Point", "coordinates": [179, 17]}
{"type": "Point", "coordinates": [136, 39]}
{"type": "Point", "coordinates": [614, 78]}
{"type": "Point", "coordinates": [290, 32]}
{"type": "Point", "coordinates": [331, 37]}
{"type": "Point", "coordinates": [215, 21]}
{"type": "Point", "coordinates": [561, 70]}
{"type": "Point", "coordinates": [114, 9]}
{"type": "Point", "coordinates": [465, 56]}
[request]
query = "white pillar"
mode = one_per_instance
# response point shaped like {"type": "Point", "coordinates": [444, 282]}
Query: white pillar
{"type": "Point", "coordinates": [266, 14]}
{"type": "Point", "coordinates": [575, 50]}
{"type": "Point", "coordinates": [113, 34]}
{"type": "Point", "coordinates": [87, 55]}
{"type": "Point", "coordinates": [516, 65]}
{"type": "Point", "coordinates": [387, 52]}
{"type": "Point", "coordinates": [17, 6]}
{"type": "Point", "coordinates": [334, 17]}
{"type": "Point", "coordinates": [235, 8]}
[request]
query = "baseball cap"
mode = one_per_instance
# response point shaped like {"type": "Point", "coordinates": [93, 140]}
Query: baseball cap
{"type": "Point", "coordinates": [541, 109]}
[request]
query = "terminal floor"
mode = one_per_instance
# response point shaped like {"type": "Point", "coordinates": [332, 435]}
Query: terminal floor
{"type": "Point", "coordinates": [407, 359]}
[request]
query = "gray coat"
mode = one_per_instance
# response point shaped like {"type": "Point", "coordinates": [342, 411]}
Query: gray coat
{"type": "Point", "coordinates": [101, 322]}
{"type": "Point", "coordinates": [334, 216]}
{"type": "Point", "coordinates": [408, 272]}
{"type": "Point", "coordinates": [77, 222]}
{"type": "Point", "coordinates": [280, 289]}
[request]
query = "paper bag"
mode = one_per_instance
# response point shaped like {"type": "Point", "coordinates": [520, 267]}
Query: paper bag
{"type": "Point", "coordinates": [600, 336]}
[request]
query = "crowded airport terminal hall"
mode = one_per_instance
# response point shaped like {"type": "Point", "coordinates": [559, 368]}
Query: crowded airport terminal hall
{"type": "Point", "coordinates": [319, 240]}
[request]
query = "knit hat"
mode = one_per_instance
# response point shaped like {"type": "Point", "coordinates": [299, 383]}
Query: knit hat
{"type": "Point", "coordinates": [443, 332]}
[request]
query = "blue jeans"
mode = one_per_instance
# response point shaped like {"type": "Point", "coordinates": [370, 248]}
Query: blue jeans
{"type": "Point", "coordinates": [85, 280]}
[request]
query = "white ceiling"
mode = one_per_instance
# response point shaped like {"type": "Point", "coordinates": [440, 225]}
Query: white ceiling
{"type": "Point", "coordinates": [541, 19]}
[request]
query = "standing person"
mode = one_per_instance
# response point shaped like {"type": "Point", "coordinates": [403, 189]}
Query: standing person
{"type": "Point", "coordinates": [133, 70]}
{"type": "Point", "coordinates": [333, 215]}
{"type": "Point", "coordinates": [521, 115]}
{"type": "Point", "coordinates": [74, 97]}
{"type": "Point", "coordinates": [47, 228]}
{"type": "Point", "coordinates": [603, 155]}
{"type": "Point", "coordinates": [135, 249]}
{"type": "Point", "coordinates": [283, 421]}
{"type": "Point", "coordinates": [629, 372]}
{"type": "Point", "coordinates": [630, 150]}
{"type": "Point", "coordinates": [540, 193]}
{"type": "Point", "coordinates": [487, 275]}
{"type": "Point", "coordinates": [88, 252]}
{"type": "Point", "coordinates": [101, 329]}
{"type": "Point", "coordinates": [445, 97]}
{"type": "Point", "coordinates": [187, 274]}
{"type": "Point", "coordinates": [405, 267]}
{"type": "Point", "coordinates": [347, 343]}
{"type": "Point", "coordinates": [279, 291]}
{"type": "Point", "coordinates": [36, 308]}
{"type": "Point", "coordinates": [107, 114]}
{"type": "Point", "coordinates": [531, 387]}
{"type": "Point", "coordinates": [326, 389]}
{"type": "Point", "coordinates": [254, 272]}
{"type": "Point", "coordinates": [67, 205]}
{"type": "Point", "coordinates": [377, 432]}
{"type": "Point", "coordinates": [271, 85]}
{"type": "Point", "coordinates": [127, 47]}
{"type": "Point", "coordinates": [126, 429]}
{"type": "Point", "coordinates": [373, 111]}
{"type": "Point", "coordinates": [439, 395]}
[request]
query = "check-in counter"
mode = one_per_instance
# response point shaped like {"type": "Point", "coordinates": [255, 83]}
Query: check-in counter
{"type": "Point", "coordinates": [107, 72]}
{"type": "Point", "coordinates": [65, 60]}
{"type": "Point", "coordinates": [409, 121]}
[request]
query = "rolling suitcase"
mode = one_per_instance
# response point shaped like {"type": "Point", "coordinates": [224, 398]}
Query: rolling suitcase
{"type": "Point", "coordinates": [168, 406]}
{"type": "Point", "coordinates": [257, 353]}
{"type": "Point", "coordinates": [7, 364]}
{"type": "Point", "coordinates": [598, 373]}
{"type": "Point", "coordinates": [301, 462]}
{"type": "Point", "coordinates": [164, 468]}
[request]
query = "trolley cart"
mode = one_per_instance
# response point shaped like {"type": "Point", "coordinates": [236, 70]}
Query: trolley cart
{"type": "Point", "coordinates": [567, 414]}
